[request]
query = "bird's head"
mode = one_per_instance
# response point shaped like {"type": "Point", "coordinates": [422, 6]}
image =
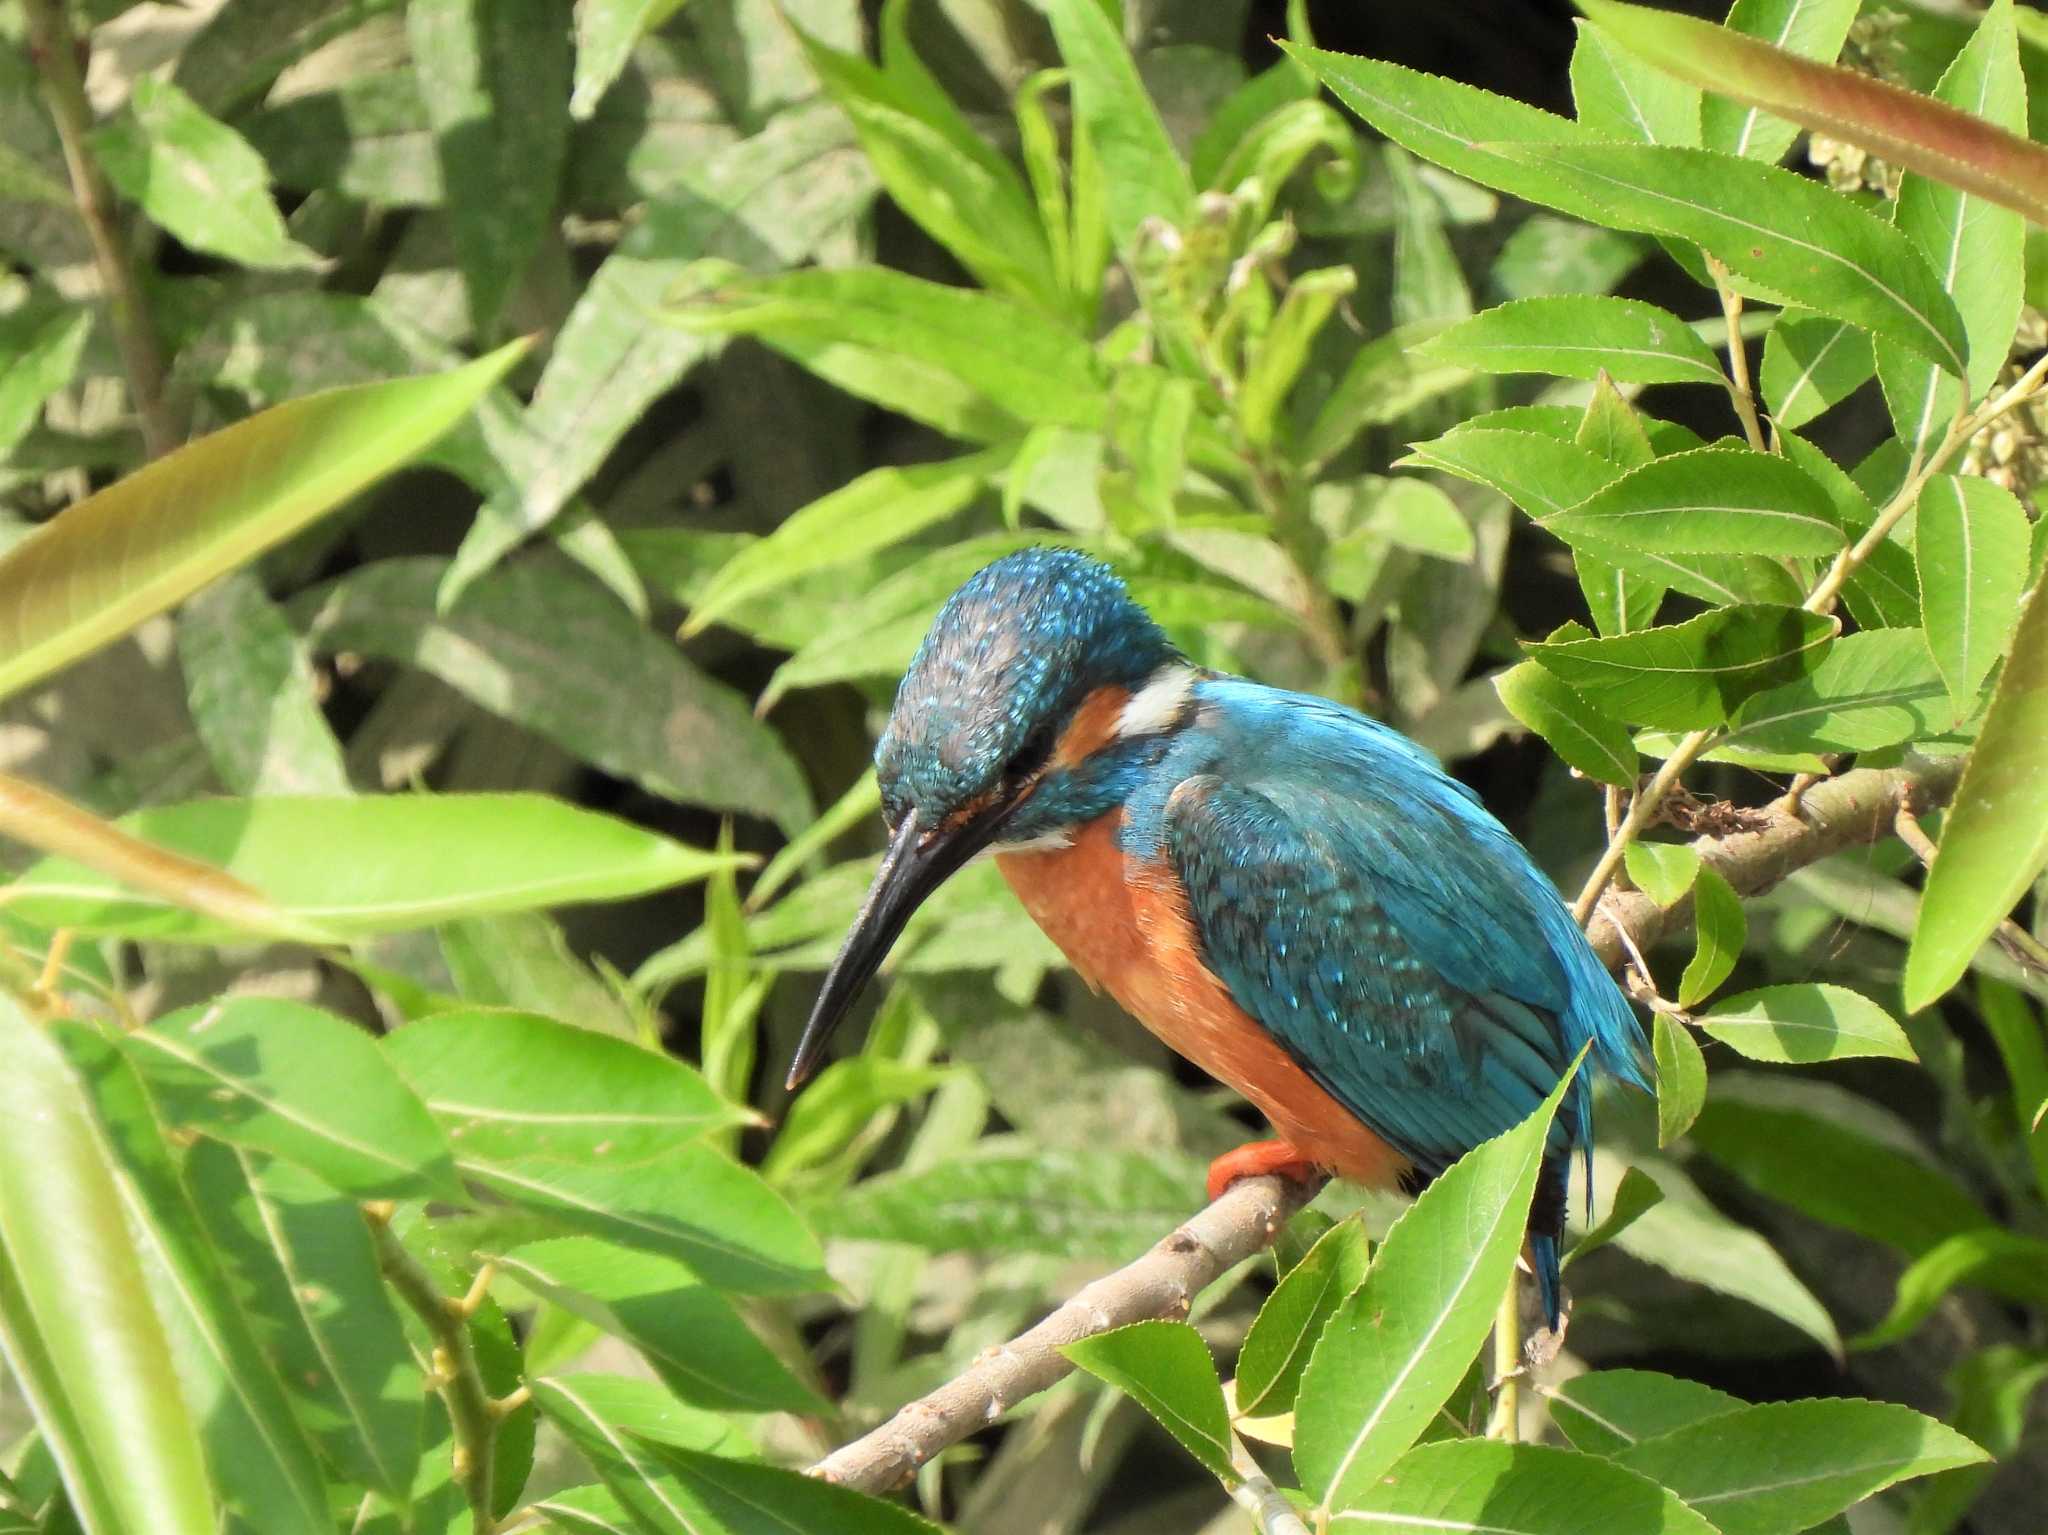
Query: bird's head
{"type": "Point", "coordinates": [1041, 687]}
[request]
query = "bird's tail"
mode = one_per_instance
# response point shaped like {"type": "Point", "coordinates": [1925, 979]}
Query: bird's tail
{"type": "Point", "coordinates": [1546, 1226]}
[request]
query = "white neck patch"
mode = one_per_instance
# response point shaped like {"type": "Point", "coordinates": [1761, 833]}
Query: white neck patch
{"type": "Point", "coordinates": [1156, 705]}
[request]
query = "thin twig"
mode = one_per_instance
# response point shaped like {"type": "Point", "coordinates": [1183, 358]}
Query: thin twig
{"type": "Point", "coordinates": [55, 51]}
{"type": "Point", "coordinates": [1739, 389]}
{"type": "Point", "coordinates": [471, 1412]}
{"type": "Point", "coordinates": [1507, 1365]}
{"type": "Point", "coordinates": [1271, 1513]}
{"type": "Point", "coordinates": [1163, 1283]}
{"type": "Point", "coordinates": [2022, 946]}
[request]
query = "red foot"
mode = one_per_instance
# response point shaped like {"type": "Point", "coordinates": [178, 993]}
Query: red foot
{"type": "Point", "coordinates": [1256, 1159]}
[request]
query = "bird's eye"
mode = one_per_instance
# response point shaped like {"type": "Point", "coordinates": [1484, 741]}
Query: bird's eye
{"type": "Point", "coordinates": [1025, 762]}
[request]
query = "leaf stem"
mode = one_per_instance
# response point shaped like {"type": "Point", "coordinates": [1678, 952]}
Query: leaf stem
{"type": "Point", "coordinates": [471, 1411]}
{"type": "Point", "coordinates": [1507, 1365]}
{"type": "Point", "coordinates": [54, 48]}
{"type": "Point", "coordinates": [1271, 1513]}
{"type": "Point", "coordinates": [1739, 389]}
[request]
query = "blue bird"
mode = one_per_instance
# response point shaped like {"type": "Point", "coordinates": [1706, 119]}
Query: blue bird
{"type": "Point", "coordinates": [1293, 896]}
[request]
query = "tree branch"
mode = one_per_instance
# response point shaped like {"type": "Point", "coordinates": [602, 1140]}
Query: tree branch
{"type": "Point", "coordinates": [1162, 1283]}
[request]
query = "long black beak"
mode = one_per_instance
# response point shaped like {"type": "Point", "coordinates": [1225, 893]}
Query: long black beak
{"type": "Point", "coordinates": [917, 863]}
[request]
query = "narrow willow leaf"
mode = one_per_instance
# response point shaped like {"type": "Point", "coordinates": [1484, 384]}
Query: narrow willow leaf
{"type": "Point", "coordinates": [416, 860]}
{"type": "Point", "coordinates": [1720, 928]}
{"type": "Point", "coordinates": [1873, 689]}
{"type": "Point", "coordinates": [1906, 129]}
{"type": "Point", "coordinates": [1802, 1149]}
{"type": "Point", "coordinates": [646, 1410]}
{"type": "Point", "coordinates": [1166, 1367]}
{"type": "Point", "coordinates": [1617, 96]}
{"type": "Point", "coordinates": [251, 691]}
{"type": "Point", "coordinates": [1488, 1488]}
{"type": "Point", "coordinates": [690, 1333]}
{"type": "Point", "coordinates": [1605, 1411]}
{"type": "Point", "coordinates": [881, 508]}
{"type": "Point", "coordinates": [1802, 29]}
{"type": "Point", "coordinates": [1806, 1022]}
{"type": "Point", "coordinates": [840, 1104]}
{"type": "Point", "coordinates": [606, 31]}
{"type": "Point", "coordinates": [83, 1342]}
{"type": "Point", "coordinates": [1788, 1465]}
{"type": "Point", "coordinates": [621, 697]}
{"type": "Point", "coordinates": [1539, 473]}
{"type": "Point", "coordinates": [1970, 540]}
{"type": "Point", "coordinates": [1692, 675]}
{"type": "Point", "coordinates": [92, 573]}
{"type": "Point", "coordinates": [305, 1275]}
{"type": "Point", "coordinates": [1276, 1350]}
{"type": "Point", "coordinates": [297, 1083]}
{"type": "Point", "coordinates": [1580, 337]}
{"type": "Point", "coordinates": [1276, 360]}
{"type": "Point", "coordinates": [1594, 743]}
{"type": "Point", "coordinates": [1395, 1349]}
{"type": "Point", "coordinates": [1634, 1196]}
{"type": "Point", "coordinates": [1976, 247]}
{"type": "Point", "coordinates": [1143, 177]}
{"type": "Point", "coordinates": [196, 177]}
{"type": "Point", "coordinates": [523, 961]}
{"type": "Point", "coordinates": [42, 351]}
{"type": "Point", "coordinates": [1663, 871]}
{"type": "Point", "coordinates": [2014, 1264]}
{"type": "Point", "coordinates": [624, 1459]}
{"type": "Point", "coordinates": [1386, 379]}
{"type": "Point", "coordinates": [1681, 1078]}
{"type": "Point", "coordinates": [494, 78]}
{"type": "Point", "coordinates": [1994, 841]}
{"type": "Point", "coordinates": [513, 1086]}
{"type": "Point", "coordinates": [1812, 363]}
{"type": "Point", "coordinates": [724, 1496]}
{"type": "Point", "coordinates": [1708, 501]}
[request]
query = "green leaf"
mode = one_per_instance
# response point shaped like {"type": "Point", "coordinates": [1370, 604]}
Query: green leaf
{"type": "Point", "coordinates": [1386, 379]}
{"type": "Point", "coordinates": [728, 1497]}
{"type": "Point", "coordinates": [42, 348]}
{"type": "Point", "coordinates": [1976, 247]}
{"type": "Point", "coordinates": [646, 1410]}
{"type": "Point", "coordinates": [1871, 690]}
{"type": "Point", "coordinates": [1593, 742]}
{"type": "Point", "coordinates": [1787, 1465]}
{"type": "Point", "coordinates": [1663, 871]}
{"type": "Point", "coordinates": [951, 181]}
{"type": "Point", "coordinates": [524, 962]}
{"type": "Point", "coordinates": [877, 510]}
{"type": "Point", "coordinates": [1795, 238]}
{"type": "Point", "coordinates": [251, 692]}
{"type": "Point", "coordinates": [1721, 929]}
{"type": "Point", "coordinates": [1970, 539]}
{"type": "Point", "coordinates": [842, 1101]}
{"type": "Point", "coordinates": [1692, 675]}
{"type": "Point", "coordinates": [2007, 1261]}
{"type": "Point", "coordinates": [99, 1377]}
{"type": "Point", "coordinates": [685, 1329]}
{"type": "Point", "coordinates": [1042, 374]}
{"type": "Point", "coordinates": [196, 177]}
{"type": "Point", "coordinates": [1806, 1022]}
{"type": "Point", "coordinates": [415, 859]}
{"type": "Point", "coordinates": [1634, 1196]}
{"type": "Point", "coordinates": [1994, 841]}
{"type": "Point", "coordinates": [298, 1083]}
{"type": "Point", "coordinates": [1276, 1350]}
{"type": "Point", "coordinates": [1802, 1151]}
{"type": "Point", "coordinates": [511, 1086]}
{"type": "Point", "coordinates": [1681, 1078]}
{"type": "Point", "coordinates": [258, 1452]}
{"type": "Point", "coordinates": [1808, 29]}
{"type": "Point", "coordinates": [1580, 337]}
{"type": "Point", "coordinates": [1811, 364]}
{"type": "Point", "coordinates": [1075, 1204]}
{"type": "Point", "coordinates": [1617, 96]}
{"type": "Point", "coordinates": [1142, 175]}
{"type": "Point", "coordinates": [306, 1278]}
{"type": "Point", "coordinates": [1547, 255]}
{"type": "Point", "coordinates": [606, 31]}
{"type": "Point", "coordinates": [1604, 1412]}
{"type": "Point", "coordinates": [1709, 501]}
{"type": "Point", "coordinates": [1489, 1488]}
{"type": "Point", "coordinates": [92, 573]}
{"type": "Point", "coordinates": [1167, 1368]}
{"type": "Point", "coordinates": [1395, 1349]}
{"type": "Point", "coordinates": [494, 79]}
{"type": "Point", "coordinates": [1541, 474]}
{"type": "Point", "coordinates": [1368, 514]}
{"type": "Point", "coordinates": [1274, 362]}
{"type": "Point", "coordinates": [616, 695]}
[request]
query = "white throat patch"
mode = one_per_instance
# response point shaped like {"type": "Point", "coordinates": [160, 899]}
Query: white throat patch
{"type": "Point", "coordinates": [1156, 705]}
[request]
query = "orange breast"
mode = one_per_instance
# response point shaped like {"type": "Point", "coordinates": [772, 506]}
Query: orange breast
{"type": "Point", "coordinates": [1126, 930]}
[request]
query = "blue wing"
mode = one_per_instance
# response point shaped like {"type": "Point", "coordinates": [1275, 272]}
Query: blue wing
{"type": "Point", "coordinates": [1365, 909]}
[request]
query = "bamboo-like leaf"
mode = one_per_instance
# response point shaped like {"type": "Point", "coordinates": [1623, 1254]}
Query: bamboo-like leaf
{"type": "Point", "coordinates": [94, 572]}
{"type": "Point", "coordinates": [1905, 128]}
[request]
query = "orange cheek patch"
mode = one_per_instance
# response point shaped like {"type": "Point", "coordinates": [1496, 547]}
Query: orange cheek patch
{"type": "Point", "coordinates": [1093, 724]}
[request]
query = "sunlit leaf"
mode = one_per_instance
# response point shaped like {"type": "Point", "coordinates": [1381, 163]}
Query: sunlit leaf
{"type": "Point", "coordinates": [1605, 1411]}
{"type": "Point", "coordinates": [1580, 337]}
{"type": "Point", "coordinates": [1806, 1022]}
{"type": "Point", "coordinates": [1166, 1368]}
{"type": "Point", "coordinates": [1681, 1077]}
{"type": "Point", "coordinates": [1276, 1350]}
{"type": "Point", "coordinates": [1488, 1488]}
{"type": "Point", "coordinates": [1721, 929]}
{"type": "Point", "coordinates": [1970, 540]}
{"type": "Point", "coordinates": [1595, 743]}
{"type": "Point", "coordinates": [1812, 363]}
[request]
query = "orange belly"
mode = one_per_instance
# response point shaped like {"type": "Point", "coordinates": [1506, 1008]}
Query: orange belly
{"type": "Point", "coordinates": [1126, 930]}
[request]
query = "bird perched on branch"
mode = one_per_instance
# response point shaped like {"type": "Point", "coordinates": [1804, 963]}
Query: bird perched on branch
{"type": "Point", "coordinates": [1293, 896]}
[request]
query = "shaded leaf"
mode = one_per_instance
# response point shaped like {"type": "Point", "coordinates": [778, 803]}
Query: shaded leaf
{"type": "Point", "coordinates": [42, 349]}
{"type": "Point", "coordinates": [1276, 1349]}
{"type": "Point", "coordinates": [2014, 1264]}
{"type": "Point", "coordinates": [251, 692]}
{"type": "Point", "coordinates": [1580, 337]}
{"type": "Point", "coordinates": [1873, 689]}
{"type": "Point", "coordinates": [1681, 1077]}
{"type": "Point", "coordinates": [1807, 1022]}
{"type": "Point", "coordinates": [1635, 1195]}
{"type": "Point", "coordinates": [1488, 1488]}
{"type": "Point", "coordinates": [1720, 928]}
{"type": "Point", "coordinates": [1605, 1411]}
{"type": "Point", "coordinates": [1663, 871]}
{"type": "Point", "coordinates": [1812, 363]}
{"type": "Point", "coordinates": [1970, 540]}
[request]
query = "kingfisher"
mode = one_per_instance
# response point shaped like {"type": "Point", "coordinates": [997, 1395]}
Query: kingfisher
{"type": "Point", "coordinates": [1295, 897]}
